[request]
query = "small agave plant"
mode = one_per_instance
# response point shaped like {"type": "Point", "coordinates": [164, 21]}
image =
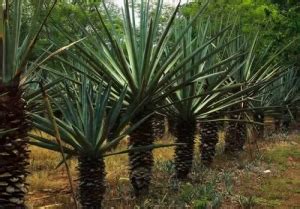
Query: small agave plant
{"type": "Point", "coordinates": [89, 113]}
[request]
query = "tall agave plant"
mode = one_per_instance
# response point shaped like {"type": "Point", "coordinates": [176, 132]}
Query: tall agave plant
{"type": "Point", "coordinates": [159, 126]}
{"type": "Point", "coordinates": [278, 100]}
{"type": "Point", "coordinates": [87, 119]}
{"type": "Point", "coordinates": [138, 57]}
{"type": "Point", "coordinates": [16, 43]}
{"type": "Point", "coordinates": [203, 100]}
{"type": "Point", "coordinates": [259, 67]}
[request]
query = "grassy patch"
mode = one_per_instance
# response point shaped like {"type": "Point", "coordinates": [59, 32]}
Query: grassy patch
{"type": "Point", "coordinates": [268, 202]}
{"type": "Point", "coordinates": [282, 154]}
{"type": "Point", "coordinates": [237, 182]}
{"type": "Point", "coordinates": [253, 201]}
{"type": "Point", "coordinates": [201, 196]}
{"type": "Point", "coordinates": [280, 187]}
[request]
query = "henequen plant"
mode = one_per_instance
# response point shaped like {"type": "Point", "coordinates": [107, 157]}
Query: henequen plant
{"type": "Point", "coordinates": [260, 67]}
{"type": "Point", "coordinates": [203, 100]}
{"type": "Point", "coordinates": [278, 100]}
{"type": "Point", "coordinates": [138, 57]}
{"type": "Point", "coordinates": [87, 119]}
{"type": "Point", "coordinates": [16, 43]}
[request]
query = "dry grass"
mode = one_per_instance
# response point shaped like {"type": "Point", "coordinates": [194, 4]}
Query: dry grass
{"type": "Point", "coordinates": [231, 182]}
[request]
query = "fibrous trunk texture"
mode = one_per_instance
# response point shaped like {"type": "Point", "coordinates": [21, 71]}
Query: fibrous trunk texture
{"type": "Point", "coordinates": [13, 147]}
{"type": "Point", "coordinates": [277, 124]}
{"type": "Point", "coordinates": [184, 133]}
{"type": "Point", "coordinates": [286, 121]}
{"type": "Point", "coordinates": [260, 118]}
{"type": "Point", "coordinates": [236, 134]}
{"type": "Point", "coordinates": [171, 125]}
{"type": "Point", "coordinates": [209, 139]}
{"type": "Point", "coordinates": [141, 161]}
{"type": "Point", "coordinates": [158, 124]}
{"type": "Point", "coordinates": [91, 181]}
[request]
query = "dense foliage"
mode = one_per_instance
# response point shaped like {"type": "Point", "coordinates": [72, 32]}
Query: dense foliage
{"type": "Point", "coordinates": [88, 74]}
{"type": "Point", "coordinates": [276, 20]}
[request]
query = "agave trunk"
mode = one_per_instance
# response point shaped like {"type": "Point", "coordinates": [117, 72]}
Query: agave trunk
{"type": "Point", "coordinates": [184, 133]}
{"type": "Point", "coordinates": [286, 121]}
{"type": "Point", "coordinates": [277, 124]}
{"type": "Point", "coordinates": [260, 118]}
{"type": "Point", "coordinates": [141, 162]}
{"type": "Point", "coordinates": [171, 126]}
{"type": "Point", "coordinates": [158, 124]}
{"type": "Point", "coordinates": [236, 134]}
{"type": "Point", "coordinates": [92, 181]}
{"type": "Point", "coordinates": [209, 139]}
{"type": "Point", "coordinates": [13, 147]}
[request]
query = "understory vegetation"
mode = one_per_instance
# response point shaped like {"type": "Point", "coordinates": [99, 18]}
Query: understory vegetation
{"type": "Point", "coordinates": [149, 104]}
{"type": "Point", "coordinates": [256, 179]}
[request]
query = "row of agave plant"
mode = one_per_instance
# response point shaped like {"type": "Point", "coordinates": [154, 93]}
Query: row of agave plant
{"type": "Point", "coordinates": [108, 85]}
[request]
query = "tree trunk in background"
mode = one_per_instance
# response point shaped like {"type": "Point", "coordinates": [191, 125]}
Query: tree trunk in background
{"type": "Point", "coordinates": [184, 133]}
{"type": "Point", "coordinates": [158, 124]}
{"type": "Point", "coordinates": [260, 129]}
{"type": "Point", "coordinates": [236, 133]}
{"type": "Point", "coordinates": [141, 162]}
{"type": "Point", "coordinates": [209, 139]}
{"type": "Point", "coordinates": [13, 147]}
{"type": "Point", "coordinates": [91, 181]}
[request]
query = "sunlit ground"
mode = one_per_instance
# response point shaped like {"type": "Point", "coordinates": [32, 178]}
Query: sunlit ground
{"type": "Point", "coordinates": [268, 177]}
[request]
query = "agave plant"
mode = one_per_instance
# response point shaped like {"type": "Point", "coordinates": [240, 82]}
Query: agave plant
{"type": "Point", "coordinates": [287, 97]}
{"type": "Point", "coordinates": [278, 100]}
{"type": "Point", "coordinates": [138, 57]}
{"type": "Point", "coordinates": [87, 119]}
{"type": "Point", "coordinates": [260, 67]}
{"type": "Point", "coordinates": [16, 43]}
{"type": "Point", "coordinates": [204, 100]}
{"type": "Point", "coordinates": [158, 125]}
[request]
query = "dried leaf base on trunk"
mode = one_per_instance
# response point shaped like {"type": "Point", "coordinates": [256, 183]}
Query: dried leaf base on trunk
{"type": "Point", "coordinates": [184, 133]}
{"type": "Point", "coordinates": [91, 181]}
{"type": "Point", "coordinates": [286, 122]}
{"type": "Point", "coordinates": [141, 162]}
{"type": "Point", "coordinates": [171, 126]}
{"type": "Point", "coordinates": [277, 125]}
{"type": "Point", "coordinates": [158, 125]}
{"type": "Point", "coordinates": [209, 139]}
{"type": "Point", "coordinates": [13, 147]}
{"type": "Point", "coordinates": [235, 137]}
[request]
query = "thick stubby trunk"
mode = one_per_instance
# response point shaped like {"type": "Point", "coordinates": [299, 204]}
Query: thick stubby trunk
{"type": "Point", "coordinates": [260, 118]}
{"type": "Point", "coordinates": [91, 181]}
{"type": "Point", "coordinates": [184, 133]}
{"type": "Point", "coordinates": [277, 124]}
{"type": "Point", "coordinates": [158, 125]}
{"type": "Point", "coordinates": [13, 147]}
{"type": "Point", "coordinates": [236, 133]}
{"type": "Point", "coordinates": [209, 139]}
{"type": "Point", "coordinates": [286, 121]}
{"type": "Point", "coordinates": [171, 125]}
{"type": "Point", "coordinates": [141, 162]}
